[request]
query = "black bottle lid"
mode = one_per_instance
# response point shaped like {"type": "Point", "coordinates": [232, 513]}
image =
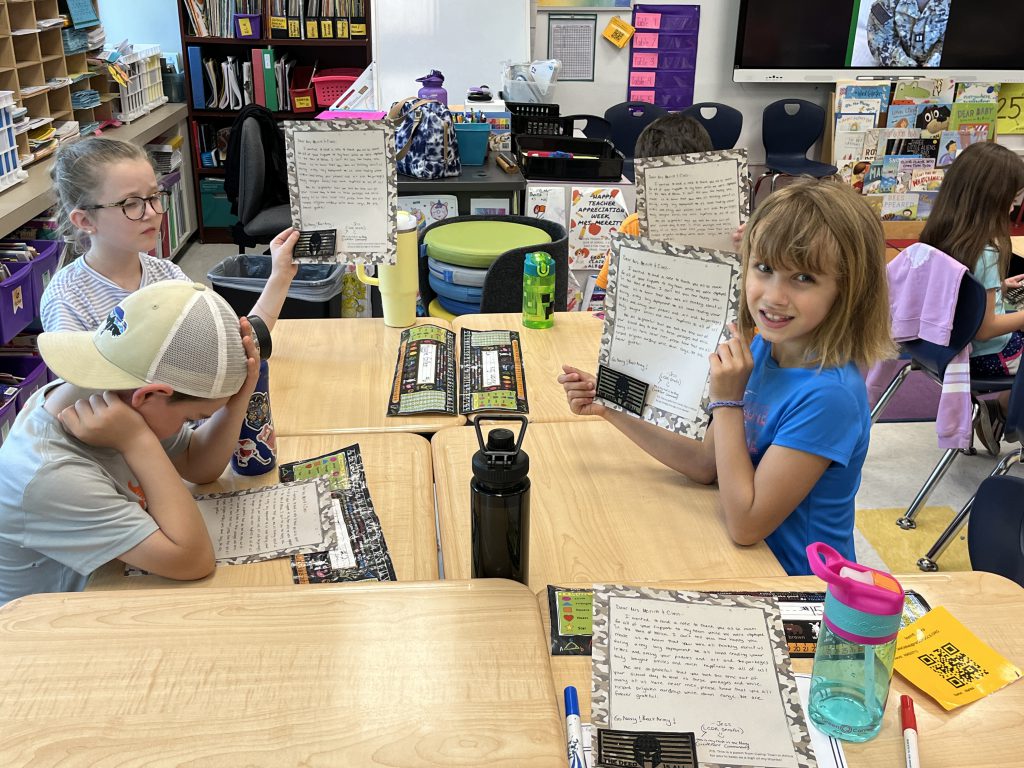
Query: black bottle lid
{"type": "Point", "coordinates": [501, 463]}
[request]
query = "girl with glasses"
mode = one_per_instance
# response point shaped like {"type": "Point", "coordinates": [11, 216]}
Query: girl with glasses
{"type": "Point", "coordinates": [110, 207]}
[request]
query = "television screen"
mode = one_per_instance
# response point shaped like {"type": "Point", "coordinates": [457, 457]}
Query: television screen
{"type": "Point", "coordinates": [828, 40]}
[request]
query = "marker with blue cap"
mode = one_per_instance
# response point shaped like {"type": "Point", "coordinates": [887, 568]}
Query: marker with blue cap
{"type": "Point", "coordinates": [573, 728]}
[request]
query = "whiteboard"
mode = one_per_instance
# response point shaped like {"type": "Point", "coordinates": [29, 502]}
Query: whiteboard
{"type": "Point", "coordinates": [466, 39]}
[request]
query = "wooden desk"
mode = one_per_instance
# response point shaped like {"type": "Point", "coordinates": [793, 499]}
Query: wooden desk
{"type": "Point", "coordinates": [574, 339]}
{"type": "Point", "coordinates": [427, 674]}
{"type": "Point", "coordinates": [335, 376]}
{"type": "Point", "coordinates": [985, 734]}
{"type": "Point", "coordinates": [31, 197]}
{"type": "Point", "coordinates": [400, 480]}
{"type": "Point", "coordinates": [601, 509]}
{"type": "Point", "coordinates": [1018, 245]}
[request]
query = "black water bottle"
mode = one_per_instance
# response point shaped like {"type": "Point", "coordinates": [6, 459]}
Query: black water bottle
{"type": "Point", "coordinates": [500, 504]}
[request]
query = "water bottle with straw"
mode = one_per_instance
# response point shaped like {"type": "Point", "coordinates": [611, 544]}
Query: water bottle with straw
{"type": "Point", "coordinates": [856, 646]}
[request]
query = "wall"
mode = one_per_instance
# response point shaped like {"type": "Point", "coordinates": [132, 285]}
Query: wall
{"type": "Point", "coordinates": [155, 21]}
{"type": "Point", "coordinates": [715, 46]}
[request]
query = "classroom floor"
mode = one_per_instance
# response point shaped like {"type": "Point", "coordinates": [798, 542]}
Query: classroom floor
{"type": "Point", "coordinates": [900, 457]}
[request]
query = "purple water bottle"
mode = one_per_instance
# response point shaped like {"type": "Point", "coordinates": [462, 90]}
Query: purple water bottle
{"type": "Point", "coordinates": [432, 88]}
{"type": "Point", "coordinates": [256, 452]}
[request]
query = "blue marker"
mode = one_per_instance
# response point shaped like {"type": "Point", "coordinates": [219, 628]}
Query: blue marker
{"type": "Point", "coordinates": [573, 730]}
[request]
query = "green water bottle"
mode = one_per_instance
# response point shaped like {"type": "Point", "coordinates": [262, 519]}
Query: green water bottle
{"type": "Point", "coordinates": [538, 290]}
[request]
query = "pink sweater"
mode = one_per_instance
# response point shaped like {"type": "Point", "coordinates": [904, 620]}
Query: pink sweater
{"type": "Point", "coordinates": [924, 284]}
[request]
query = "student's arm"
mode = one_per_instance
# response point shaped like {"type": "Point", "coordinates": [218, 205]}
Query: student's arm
{"type": "Point", "coordinates": [690, 457]}
{"type": "Point", "coordinates": [282, 272]}
{"type": "Point", "coordinates": [215, 439]}
{"type": "Point", "coordinates": [754, 503]}
{"type": "Point", "coordinates": [993, 324]}
{"type": "Point", "coordinates": [181, 549]}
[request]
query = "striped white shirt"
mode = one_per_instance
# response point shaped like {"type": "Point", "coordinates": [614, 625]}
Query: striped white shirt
{"type": "Point", "coordinates": [79, 298]}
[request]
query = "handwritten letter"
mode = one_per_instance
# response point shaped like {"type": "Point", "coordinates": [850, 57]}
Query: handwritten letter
{"type": "Point", "coordinates": [342, 180]}
{"type": "Point", "coordinates": [694, 204]}
{"type": "Point", "coordinates": [693, 666]}
{"type": "Point", "coordinates": [669, 315]}
{"type": "Point", "coordinates": [273, 519]}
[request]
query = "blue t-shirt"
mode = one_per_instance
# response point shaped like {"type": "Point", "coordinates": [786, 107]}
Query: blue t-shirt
{"type": "Point", "coordinates": [824, 413]}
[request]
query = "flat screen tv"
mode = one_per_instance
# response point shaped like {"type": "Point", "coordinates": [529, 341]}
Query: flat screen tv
{"type": "Point", "coordinates": [829, 40]}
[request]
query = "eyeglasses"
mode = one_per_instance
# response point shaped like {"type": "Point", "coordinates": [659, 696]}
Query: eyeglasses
{"type": "Point", "coordinates": [134, 208]}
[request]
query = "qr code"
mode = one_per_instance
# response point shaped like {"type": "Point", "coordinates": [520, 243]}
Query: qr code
{"type": "Point", "coordinates": [954, 665]}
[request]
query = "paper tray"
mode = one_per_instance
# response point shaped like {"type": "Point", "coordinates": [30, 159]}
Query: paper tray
{"type": "Point", "coordinates": [594, 159]}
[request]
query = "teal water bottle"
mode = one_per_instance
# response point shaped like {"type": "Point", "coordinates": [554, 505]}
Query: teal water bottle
{"type": "Point", "coordinates": [856, 646]}
{"type": "Point", "coordinates": [538, 290]}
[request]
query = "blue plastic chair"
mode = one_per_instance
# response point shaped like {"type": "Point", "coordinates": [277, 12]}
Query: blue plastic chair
{"type": "Point", "coordinates": [992, 502]}
{"type": "Point", "coordinates": [723, 124]}
{"type": "Point", "coordinates": [932, 359]}
{"type": "Point", "coordinates": [995, 537]}
{"type": "Point", "coordinates": [627, 121]}
{"type": "Point", "coordinates": [787, 137]}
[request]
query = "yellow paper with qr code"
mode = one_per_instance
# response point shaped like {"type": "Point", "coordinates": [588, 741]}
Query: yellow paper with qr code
{"type": "Point", "coordinates": [947, 661]}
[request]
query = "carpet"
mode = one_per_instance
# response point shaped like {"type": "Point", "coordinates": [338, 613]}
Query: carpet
{"type": "Point", "coordinates": [917, 399]}
{"type": "Point", "coordinates": [900, 549]}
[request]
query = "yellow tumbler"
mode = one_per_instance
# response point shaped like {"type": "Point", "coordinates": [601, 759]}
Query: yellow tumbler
{"type": "Point", "coordinates": [398, 282]}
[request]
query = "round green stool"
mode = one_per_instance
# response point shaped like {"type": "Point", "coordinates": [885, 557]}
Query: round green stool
{"type": "Point", "coordinates": [478, 243]}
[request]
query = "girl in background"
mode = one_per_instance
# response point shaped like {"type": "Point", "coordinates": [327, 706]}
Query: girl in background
{"type": "Point", "coordinates": [970, 221]}
{"type": "Point", "coordinates": [111, 207]}
{"type": "Point", "coordinates": [791, 419]}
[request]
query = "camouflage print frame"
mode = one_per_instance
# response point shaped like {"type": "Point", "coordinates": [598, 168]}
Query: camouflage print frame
{"type": "Point", "coordinates": [600, 698]}
{"type": "Point", "coordinates": [295, 189]}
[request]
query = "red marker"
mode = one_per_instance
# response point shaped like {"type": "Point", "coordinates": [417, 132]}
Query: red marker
{"type": "Point", "coordinates": [908, 721]}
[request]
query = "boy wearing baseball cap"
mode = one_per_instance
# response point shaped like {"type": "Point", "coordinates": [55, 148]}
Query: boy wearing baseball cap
{"type": "Point", "coordinates": [93, 465]}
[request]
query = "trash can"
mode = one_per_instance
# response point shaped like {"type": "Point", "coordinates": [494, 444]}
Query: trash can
{"type": "Point", "coordinates": [314, 293]}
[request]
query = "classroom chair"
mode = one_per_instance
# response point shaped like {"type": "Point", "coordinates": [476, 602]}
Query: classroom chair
{"type": "Point", "coordinates": [932, 359]}
{"type": "Point", "coordinates": [789, 128]}
{"type": "Point", "coordinates": [627, 121]}
{"type": "Point", "coordinates": [992, 500]}
{"type": "Point", "coordinates": [502, 288]}
{"type": "Point", "coordinates": [995, 537]}
{"type": "Point", "coordinates": [722, 122]}
{"type": "Point", "coordinates": [594, 127]}
{"type": "Point", "coordinates": [256, 224]}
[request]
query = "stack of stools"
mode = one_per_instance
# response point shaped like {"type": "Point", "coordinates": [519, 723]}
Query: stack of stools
{"type": "Point", "coordinates": [459, 254]}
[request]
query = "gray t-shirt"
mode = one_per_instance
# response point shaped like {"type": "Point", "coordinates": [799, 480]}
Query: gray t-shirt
{"type": "Point", "coordinates": [66, 508]}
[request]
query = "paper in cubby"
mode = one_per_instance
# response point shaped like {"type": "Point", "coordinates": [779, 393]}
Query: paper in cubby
{"type": "Point", "coordinates": [343, 189]}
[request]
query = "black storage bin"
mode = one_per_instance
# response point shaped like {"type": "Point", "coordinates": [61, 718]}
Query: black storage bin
{"type": "Point", "coordinates": [594, 159]}
{"type": "Point", "coordinates": [314, 293]}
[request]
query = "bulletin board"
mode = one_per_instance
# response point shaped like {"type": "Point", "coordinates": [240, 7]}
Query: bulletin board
{"type": "Point", "coordinates": [465, 39]}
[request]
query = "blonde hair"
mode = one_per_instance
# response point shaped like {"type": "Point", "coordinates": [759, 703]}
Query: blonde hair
{"type": "Point", "coordinates": [825, 227]}
{"type": "Point", "coordinates": [78, 171]}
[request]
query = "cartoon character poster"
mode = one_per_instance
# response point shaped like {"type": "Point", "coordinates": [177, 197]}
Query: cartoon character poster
{"type": "Point", "coordinates": [594, 214]}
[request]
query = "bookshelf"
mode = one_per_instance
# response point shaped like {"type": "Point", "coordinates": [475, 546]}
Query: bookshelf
{"type": "Point", "coordinates": [323, 53]}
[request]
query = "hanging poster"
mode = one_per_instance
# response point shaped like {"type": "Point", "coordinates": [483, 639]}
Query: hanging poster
{"type": "Point", "coordinates": [663, 55]}
{"type": "Point", "coordinates": [594, 214]}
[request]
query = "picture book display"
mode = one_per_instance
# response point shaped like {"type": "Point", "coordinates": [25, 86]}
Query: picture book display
{"type": "Point", "coordinates": [893, 142]}
{"type": "Point", "coordinates": [265, 523]}
{"type": "Point", "coordinates": [343, 186]}
{"type": "Point", "coordinates": [666, 310]}
{"type": "Point", "coordinates": [698, 199]}
{"type": "Point", "coordinates": [362, 553]}
{"type": "Point", "coordinates": [723, 673]}
{"type": "Point", "coordinates": [490, 375]}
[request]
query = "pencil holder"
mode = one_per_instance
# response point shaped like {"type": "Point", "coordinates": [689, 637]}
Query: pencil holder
{"type": "Point", "coordinates": [472, 142]}
{"type": "Point", "coordinates": [247, 25]}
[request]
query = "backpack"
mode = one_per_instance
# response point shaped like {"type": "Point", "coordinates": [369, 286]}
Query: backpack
{"type": "Point", "coordinates": [425, 139]}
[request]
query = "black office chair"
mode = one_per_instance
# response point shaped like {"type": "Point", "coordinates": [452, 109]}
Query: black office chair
{"type": "Point", "coordinates": [789, 127]}
{"type": "Point", "coordinates": [594, 127]}
{"type": "Point", "coordinates": [262, 200]}
{"type": "Point", "coordinates": [995, 537]}
{"type": "Point", "coordinates": [722, 122]}
{"type": "Point", "coordinates": [991, 504]}
{"type": "Point", "coordinates": [627, 121]}
{"type": "Point", "coordinates": [933, 359]}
